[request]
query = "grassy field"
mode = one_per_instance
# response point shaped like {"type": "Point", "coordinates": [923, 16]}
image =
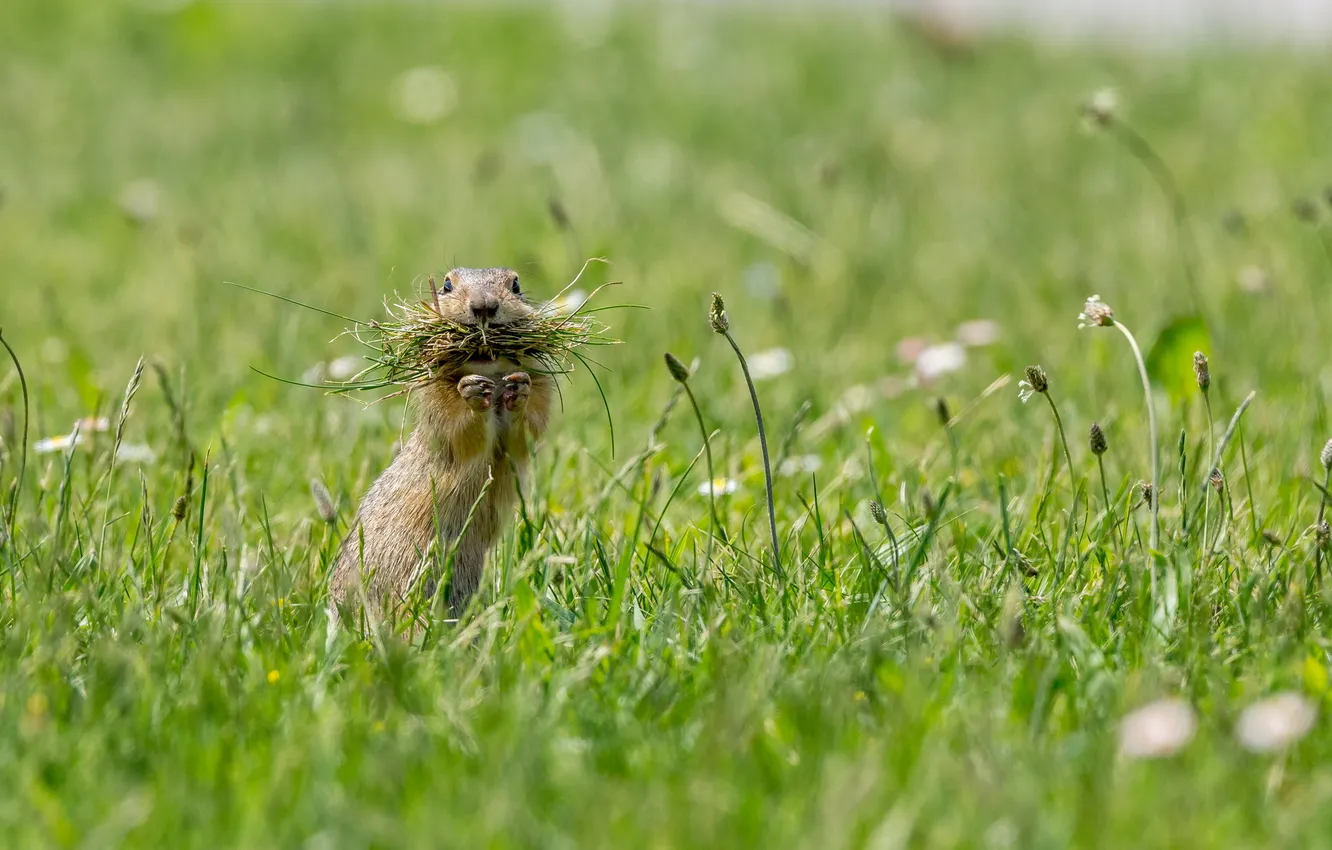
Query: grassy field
{"type": "Point", "coordinates": [955, 676]}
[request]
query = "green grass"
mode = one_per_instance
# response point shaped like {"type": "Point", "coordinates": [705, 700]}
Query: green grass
{"type": "Point", "coordinates": [165, 673]}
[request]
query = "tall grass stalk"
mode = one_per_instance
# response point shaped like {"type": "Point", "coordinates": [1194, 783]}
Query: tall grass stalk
{"type": "Point", "coordinates": [1096, 313]}
{"type": "Point", "coordinates": [23, 447]}
{"type": "Point", "coordinates": [722, 325]}
{"type": "Point", "coordinates": [681, 374]}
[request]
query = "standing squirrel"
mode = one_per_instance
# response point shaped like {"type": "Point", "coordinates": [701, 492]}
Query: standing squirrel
{"type": "Point", "coordinates": [473, 427]}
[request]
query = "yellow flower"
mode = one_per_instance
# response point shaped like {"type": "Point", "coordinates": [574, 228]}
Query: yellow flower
{"type": "Point", "coordinates": [273, 676]}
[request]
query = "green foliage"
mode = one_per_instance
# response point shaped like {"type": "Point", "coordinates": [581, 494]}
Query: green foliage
{"type": "Point", "coordinates": [1170, 359]}
{"type": "Point", "coordinates": [947, 671]}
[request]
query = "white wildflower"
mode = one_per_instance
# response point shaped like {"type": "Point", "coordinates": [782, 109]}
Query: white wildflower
{"type": "Point", "coordinates": [1025, 391]}
{"type": "Point", "coordinates": [977, 333]}
{"type": "Point", "coordinates": [1096, 314]}
{"type": "Point", "coordinates": [140, 201]}
{"type": "Point", "coordinates": [1276, 722]}
{"type": "Point", "coordinates": [1253, 279]}
{"type": "Point", "coordinates": [770, 363]}
{"type": "Point", "coordinates": [569, 302]}
{"type": "Point", "coordinates": [136, 453]}
{"type": "Point", "coordinates": [1102, 106]}
{"type": "Point", "coordinates": [800, 465]}
{"type": "Point", "coordinates": [939, 360]}
{"type": "Point", "coordinates": [855, 399]}
{"type": "Point", "coordinates": [58, 443]}
{"type": "Point", "coordinates": [423, 95]}
{"type": "Point", "coordinates": [1158, 729]}
{"type": "Point", "coordinates": [718, 487]}
{"type": "Point", "coordinates": [344, 368]}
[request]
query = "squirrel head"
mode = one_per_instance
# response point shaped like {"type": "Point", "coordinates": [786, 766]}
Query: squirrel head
{"type": "Point", "coordinates": [482, 297]}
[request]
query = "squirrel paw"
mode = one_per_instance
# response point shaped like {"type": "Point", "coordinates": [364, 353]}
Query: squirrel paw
{"type": "Point", "coordinates": [476, 391]}
{"type": "Point", "coordinates": [517, 387]}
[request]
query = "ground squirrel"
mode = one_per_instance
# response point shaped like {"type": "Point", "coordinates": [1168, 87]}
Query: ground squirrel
{"type": "Point", "coordinates": [473, 424]}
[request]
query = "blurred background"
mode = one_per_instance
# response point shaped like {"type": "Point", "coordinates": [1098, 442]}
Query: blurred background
{"type": "Point", "coordinates": [865, 182]}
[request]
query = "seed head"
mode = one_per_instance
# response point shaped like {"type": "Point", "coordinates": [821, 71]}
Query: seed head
{"type": "Point", "coordinates": [1323, 532]}
{"type": "Point", "coordinates": [1201, 371]}
{"type": "Point", "coordinates": [927, 503]}
{"type": "Point", "coordinates": [1096, 440]}
{"type": "Point", "coordinates": [323, 501]}
{"type": "Point", "coordinates": [678, 370]}
{"type": "Point", "coordinates": [879, 514]}
{"type": "Point", "coordinates": [1147, 491]}
{"type": "Point", "coordinates": [1305, 210]}
{"type": "Point", "coordinates": [1101, 107]}
{"type": "Point", "coordinates": [1096, 314]}
{"type": "Point", "coordinates": [1217, 480]}
{"type": "Point", "coordinates": [717, 315]}
{"type": "Point", "coordinates": [1325, 456]}
{"type": "Point", "coordinates": [1037, 382]}
{"type": "Point", "coordinates": [178, 509]}
{"type": "Point", "coordinates": [1271, 537]}
{"type": "Point", "coordinates": [941, 410]}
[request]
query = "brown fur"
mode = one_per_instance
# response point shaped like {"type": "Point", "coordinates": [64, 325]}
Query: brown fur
{"type": "Point", "coordinates": [417, 510]}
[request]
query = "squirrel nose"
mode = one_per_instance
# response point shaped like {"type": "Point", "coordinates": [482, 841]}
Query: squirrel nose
{"type": "Point", "coordinates": [484, 310]}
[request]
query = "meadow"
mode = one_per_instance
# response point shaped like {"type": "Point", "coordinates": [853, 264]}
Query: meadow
{"type": "Point", "coordinates": [968, 605]}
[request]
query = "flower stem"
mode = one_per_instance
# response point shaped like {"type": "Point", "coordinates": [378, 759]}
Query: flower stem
{"type": "Point", "coordinates": [1322, 509]}
{"type": "Point", "coordinates": [1151, 429]}
{"type": "Point", "coordinates": [763, 445]}
{"type": "Point", "coordinates": [1109, 506]}
{"type": "Point", "coordinates": [1059, 426]}
{"type": "Point", "coordinates": [712, 487]}
{"type": "Point", "coordinates": [23, 451]}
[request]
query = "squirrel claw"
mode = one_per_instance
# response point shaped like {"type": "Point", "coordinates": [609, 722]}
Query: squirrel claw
{"type": "Point", "coordinates": [476, 391]}
{"type": "Point", "coordinates": [517, 387]}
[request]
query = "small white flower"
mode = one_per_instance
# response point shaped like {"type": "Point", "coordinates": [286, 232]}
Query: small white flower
{"type": "Point", "coordinates": [1096, 314]}
{"type": "Point", "coordinates": [770, 363]}
{"type": "Point", "coordinates": [939, 360]}
{"type": "Point", "coordinates": [136, 453]}
{"type": "Point", "coordinates": [1102, 106]}
{"type": "Point", "coordinates": [1157, 730]}
{"type": "Point", "coordinates": [140, 201]}
{"type": "Point", "coordinates": [569, 302]}
{"type": "Point", "coordinates": [56, 444]}
{"type": "Point", "coordinates": [1025, 391]}
{"type": "Point", "coordinates": [423, 95]}
{"type": "Point", "coordinates": [800, 465]}
{"type": "Point", "coordinates": [344, 368]}
{"type": "Point", "coordinates": [1276, 722]}
{"type": "Point", "coordinates": [1253, 280]}
{"type": "Point", "coordinates": [977, 333]}
{"type": "Point", "coordinates": [718, 487]}
{"type": "Point", "coordinates": [855, 399]}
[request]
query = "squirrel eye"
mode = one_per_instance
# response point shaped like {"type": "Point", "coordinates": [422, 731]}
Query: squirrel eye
{"type": "Point", "coordinates": [516, 290]}
{"type": "Point", "coordinates": [448, 284]}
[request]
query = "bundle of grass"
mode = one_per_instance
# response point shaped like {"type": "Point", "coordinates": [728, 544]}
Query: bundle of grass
{"type": "Point", "coordinates": [421, 340]}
